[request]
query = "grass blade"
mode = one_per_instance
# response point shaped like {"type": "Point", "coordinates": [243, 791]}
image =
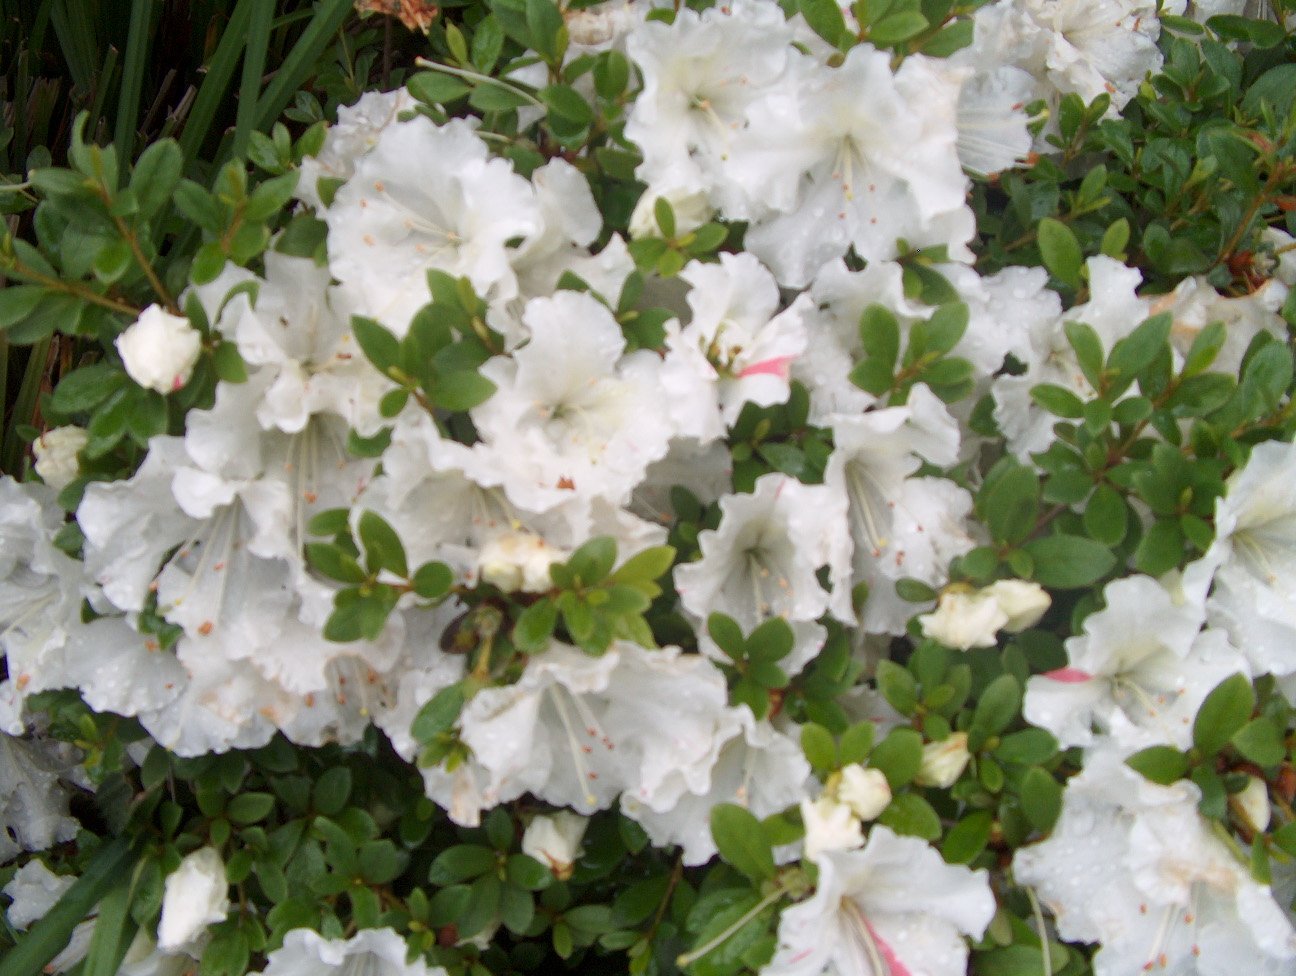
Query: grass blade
{"type": "Point", "coordinates": [78, 39]}
{"type": "Point", "coordinates": [49, 935]}
{"type": "Point", "coordinates": [214, 86]}
{"type": "Point", "coordinates": [132, 82]}
{"type": "Point", "coordinates": [302, 60]}
{"type": "Point", "coordinates": [254, 57]}
{"type": "Point", "coordinates": [24, 410]}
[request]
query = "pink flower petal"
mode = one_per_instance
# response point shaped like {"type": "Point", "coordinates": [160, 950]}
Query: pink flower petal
{"type": "Point", "coordinates": [778, 366]}
{"type": "Point", "coordinates": [1069, 675]}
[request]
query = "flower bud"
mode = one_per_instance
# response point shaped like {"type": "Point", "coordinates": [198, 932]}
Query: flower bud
{"type": "Point", "coordinates": [159, 350]}
{"type": "Point", "coordinates": [555, 840]}
{"type": "Point", "coordinates": [943, 762]}
{"type": "Point", "coordinates": [1022, 602]}
{"type": "Point", "coordinates": [964, 620]}
{"type": "Point", "coordinates": [56, 455]}
{"type": "Point", "coordinates": [196, 896]}
{"type": "Point", "coordinates": [518, 561]}
{"type": "Point", "coordinates": [865, 791]}
{"type": "Point", "coordinates": [1254, 801]}
{"type": "Point", "coordinates": [829, 826]}
{"type": "Point", "coordinates": [690, 209]}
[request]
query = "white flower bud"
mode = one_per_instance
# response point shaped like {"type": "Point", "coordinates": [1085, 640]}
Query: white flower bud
{"type": "Point", "coordinates": [518, 561]}
{"type": "Point", "coordinates": [829, 826]}
{"type": "Point", "coordinates": [555, 840]}
{"type": "Point", "coordinates": [196, 896]}
{"type": "Point", "coordinates": [690, 208]}
{"type": "Point", "coordinates": [964, 620]}
{"type": "Point", "coordinates": [56, 455]}
{"type": "Point", "coordinates": [865, 791]}
{"type": "Point", "coordinates": [159, 350]}
{"type": "Point", "coordinates": [1254, 801]}
{"type": "Point", "coordinates": [943, 762]}
{"type": "Point", "coordinates": [1022, 602]}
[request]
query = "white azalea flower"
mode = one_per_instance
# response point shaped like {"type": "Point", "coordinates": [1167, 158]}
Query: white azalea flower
{"type": "Point", "coordinates": [159, 349]}
{"type": "Point", "coordinates": [196, 896]}
{"type": "Point", "coordinates": [762, 560]}
{"type": "Point", "coordinates": [1142, 660]}
{"type": "Point", "coordinates": [1252, 561]}
{"type": "Point", "coordinates": [964, 619]}
{"type": "Point", "coordinates": [373, 952]}
{"type": "Point", "coordinates": [1133, 866]}
{"type": "Point", "coordinates": [735, 342]}
{"type": "Point", "coordinates": [357, 131]}
{"type": "Point", "coordinates": [573, 416]}
{"type": "Point", "coordinates": [943, 762]}
{"type": "Point", "coordinates": [865, 790]}
{"type": "Point", "coordinates": [894, 906]}
{"type": "Point", "coordinates": [426, 197]}
{"type": "Point", "coordinates": [34, 890]}
{"type": "Point", "coordinates": [829, 826]}
{"type": "Point", "coordinates": [56, 453]}
{"type": "Point", "coordinates": [555, 840]}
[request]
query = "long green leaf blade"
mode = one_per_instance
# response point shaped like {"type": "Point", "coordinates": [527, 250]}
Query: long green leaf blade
{"type": "Point", "coordinates": [132, 82]}
{"type": "Point", "coordinates": [50, 935]}
{"type": "Point", "coordinates": [302, 60]}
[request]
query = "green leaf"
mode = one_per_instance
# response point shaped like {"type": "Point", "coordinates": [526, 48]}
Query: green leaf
{"type": "Point", "coordinates": [1088, 349]}
{"type": "Point", "coordinates": [1041, 798]}
{"type": "Point", "coordinates": [1133, 354]}
{"type": "Point", "coordinates": [335, 562]}
{"type": "Point", "coordinates": [535, 626]}
{"type": "Point", "coordinates": [1261, 742]}
{"type": "Point", "coordinates": [1061, 251]}
{"type": "Point", "coordinates": [483, 904]}
{"type": "Point", "coordinates": [1029, 746]}
{"type": "Point", "coordinates": [856, 743]}
{"type": "Point", "coordinates": [898, 756]}
{"type": "Point", "coordinates": [825, 19]}
{"type": "Point", "coordinates": [914, 591]}
{"type": "Point", "coordinates": [382, 546]}
{"type": "Point", "coordinates": [461, 862]}
{"type": "Point", "coordinates": [1008, 502]}
{"type": "Point", "coordinates": [952, 37]}
{"type": "Point", "coordinates": [566, 102]}
{"type": "Point", "coordinates": [1069, 561]}
{"type": "Point", "coordinates": [741, 840]}
{"type": "Point", "coordinates": [1161, 549]}
{"type": "Point", "coordinates": [380, 861]}
{"type": "Point", "coordinates": [998, 706]}
{"type": "Point", "coordinates": [432, 580]}
{"type": "Point", "coordinates": [526, 872]}
{"type": "Point", "coordinates": [591, 563]}
{"type": "Point", "coordinates": [1058, 400]}
{"type": "Point", "coordinates": [1115, 239]}
{"type": "Point", "coordinates": [818, 745]}
{"type": "Point", "coordinates": [611, 74]}
{"type": "Point", "coordinates": [1223, 714]}
{"type": "Point", "coordinates": [517, 909]}
{"type": "Point", "coordinates": [544, 21]}
{"type": "Point", "coordinates": [228, 363]}
{"type": "Point", "coordinates": [438, 715]}
{"type": "Point", "coordinates": [644, 568]}
{"type": "Point", "coordinates": [911, 814]}
{"type": "Point", "coordinates": [436, 88]}
{"type": "Point", "coordinates": [896, 27]}
{"type": "Point", "coordinates": [897, 685]}
{"type": "Point", "coordinates": [967, 838]}
{"type": "Point", "coordinates": [770, 641]}
{"type": "Point", "coordinates": [1105, 515]}
{"type": "Point", "coordinates": [1160, 764]}
{"type": "Point", "coordinates": [880, 334]}
{"type": "Point", "coordinates": [87, 387]}
{"type": "Point", "coordinates": [331, 791]}
{"type": "Point", "coordinates": [462, 390]}
{"type": "Point", "coordinates": [380, 346]}
{"type": "Point", "coordinates": [249, 808]}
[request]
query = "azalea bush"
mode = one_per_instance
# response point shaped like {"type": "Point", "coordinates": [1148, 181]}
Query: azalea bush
{"type": "Point", "coordinates": [769, 488]}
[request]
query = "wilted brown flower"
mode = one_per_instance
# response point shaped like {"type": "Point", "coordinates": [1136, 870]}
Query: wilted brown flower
{"type": "Point", "coordinates": [417, 15]}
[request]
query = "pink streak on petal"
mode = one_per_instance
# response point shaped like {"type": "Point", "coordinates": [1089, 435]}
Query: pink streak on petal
{"type": "Point", "coordinates": [894, 966]}
{"type": "Point", "coordinates": [778, 366]}
{"type": "Point", "coordinates": [1069, 675]}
